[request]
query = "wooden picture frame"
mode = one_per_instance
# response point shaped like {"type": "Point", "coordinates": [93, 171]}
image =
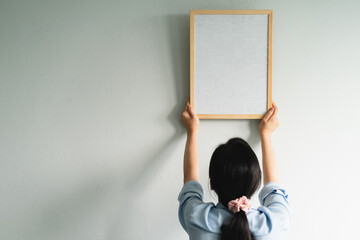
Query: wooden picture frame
{"type": "Point", "coordinates": [268, 87]}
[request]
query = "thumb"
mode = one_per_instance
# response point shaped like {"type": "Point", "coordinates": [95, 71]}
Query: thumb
{"type": "Point", "coordinates": [191, 111]}
{"type": "Point", "coordinates": [268, 114]}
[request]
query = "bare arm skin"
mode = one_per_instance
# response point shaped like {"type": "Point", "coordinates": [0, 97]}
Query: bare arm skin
{"type": "Point", "coordinates": [191, 161]}
{"type": "Point", "coordinates": [267, 125]}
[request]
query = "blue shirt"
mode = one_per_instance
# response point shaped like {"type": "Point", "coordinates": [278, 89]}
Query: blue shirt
{"type": "Point", "coordinates": [204, 220]}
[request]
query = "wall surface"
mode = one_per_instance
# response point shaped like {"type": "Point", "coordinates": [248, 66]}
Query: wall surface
{"type": "Point", "coordinates": [91, 92]}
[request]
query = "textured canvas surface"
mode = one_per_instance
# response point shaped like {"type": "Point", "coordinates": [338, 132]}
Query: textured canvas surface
{"type": "Point", "coordinates": [230, 64]}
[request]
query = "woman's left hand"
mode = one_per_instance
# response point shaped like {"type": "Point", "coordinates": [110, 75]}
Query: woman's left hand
{"type": "Point", "coordinates": [189, 119]}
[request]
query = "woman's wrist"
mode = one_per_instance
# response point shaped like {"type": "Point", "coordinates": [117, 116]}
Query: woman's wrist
{"type": "Point", "coordinates": [265, 135]}
{"type": "Point", "coordinates": [192, 133]}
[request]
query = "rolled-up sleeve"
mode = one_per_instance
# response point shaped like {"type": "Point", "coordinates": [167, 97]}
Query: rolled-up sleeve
{"type": "Point", "coordinates": [190, 196]}
{"type": "Point", "coordinates": [273, 216]}
{"type": "Point", "coordinates": [195, 215]}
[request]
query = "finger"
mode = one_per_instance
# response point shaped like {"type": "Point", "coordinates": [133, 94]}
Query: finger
{"type": "Point", "coordinates": [276, 111]}
{"type": "Point", "coordinates": [274, 105]}
{"type": "Point", "coordinates": [268, 114]}
{"type": "Point", "coordinates": [186, 105]}
{"type": "Point", "coordinates": [191, 111]}
{"type": "Point", "coordinates": [275, 108]}
{"type": "Point", "coordinates": [185, 114]}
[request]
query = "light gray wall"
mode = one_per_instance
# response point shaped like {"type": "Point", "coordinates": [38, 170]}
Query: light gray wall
{"type": "Point", "coordinates": [91, 145]}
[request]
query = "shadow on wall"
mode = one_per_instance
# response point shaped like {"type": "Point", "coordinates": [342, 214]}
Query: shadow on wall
{"type": "Point", "coordinates": [178, 34]}
{"type": "Point", "coordinates": [179, 39]}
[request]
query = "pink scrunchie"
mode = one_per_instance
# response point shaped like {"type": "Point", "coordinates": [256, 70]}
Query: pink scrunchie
{"type": "Point", "coordinates": [238, 204]}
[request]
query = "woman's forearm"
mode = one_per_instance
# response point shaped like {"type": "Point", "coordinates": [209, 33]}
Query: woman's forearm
{"type": "Point", "coordinates": [269, 163]}
{"type": "Point", "coordinates": [191, 161]}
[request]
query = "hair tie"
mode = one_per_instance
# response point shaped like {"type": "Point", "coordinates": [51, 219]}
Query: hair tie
{"type": "Point", "coordinates": [238, 204]}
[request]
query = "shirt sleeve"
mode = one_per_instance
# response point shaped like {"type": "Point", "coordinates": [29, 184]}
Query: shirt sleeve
{"type": "Point", "coordinates": [193, 212]}
{"type": "Point", "coordinates": [273, 216]}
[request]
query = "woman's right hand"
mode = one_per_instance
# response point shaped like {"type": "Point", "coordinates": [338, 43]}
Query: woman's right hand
{"type": "Point", "coordinates": [189, 119]}
{"type": "Point", "coordinates": [269, 122]}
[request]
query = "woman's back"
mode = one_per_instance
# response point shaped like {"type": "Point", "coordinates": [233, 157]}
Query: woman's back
{"type": "Point", "coordinates": [204, 220]}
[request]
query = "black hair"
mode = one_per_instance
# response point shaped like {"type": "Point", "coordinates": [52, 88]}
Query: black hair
{"type": "Point", "coordinates": [235, 172]}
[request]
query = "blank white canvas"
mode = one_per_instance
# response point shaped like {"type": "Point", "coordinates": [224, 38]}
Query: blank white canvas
{"type": "Point", "coordinates": [230, 64]}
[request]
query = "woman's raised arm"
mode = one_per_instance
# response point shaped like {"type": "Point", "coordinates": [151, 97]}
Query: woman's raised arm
{"type": "Point", "coordinates": [267, 125]}
{"type": "Point", "coordinates": [191, 161]}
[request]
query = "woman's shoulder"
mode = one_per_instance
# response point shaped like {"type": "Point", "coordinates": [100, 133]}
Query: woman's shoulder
{"type": "Point", "coordinates": [272, 218]}
{"type": "Point", "coordinates": [195, 213]}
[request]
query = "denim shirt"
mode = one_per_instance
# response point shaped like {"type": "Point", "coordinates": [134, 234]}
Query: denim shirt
{"type": "Point", "coordinates": [204, 220]}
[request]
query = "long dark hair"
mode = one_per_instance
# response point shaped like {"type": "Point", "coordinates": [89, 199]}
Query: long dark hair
{"type": "Point", "coordinates": [235, 172]}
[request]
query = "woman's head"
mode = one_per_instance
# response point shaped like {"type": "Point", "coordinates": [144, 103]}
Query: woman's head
{"type": "Point", "coordinates": [235, 172]}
